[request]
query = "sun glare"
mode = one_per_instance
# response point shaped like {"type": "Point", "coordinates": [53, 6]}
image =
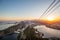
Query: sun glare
{"type": "Point", "coordinates": [50, 19]}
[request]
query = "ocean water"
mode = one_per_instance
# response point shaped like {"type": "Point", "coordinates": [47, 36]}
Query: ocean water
{"type": "Point", "coordinates": [10, 37]}
{"type": "Point", "coordinates": [48, 32]}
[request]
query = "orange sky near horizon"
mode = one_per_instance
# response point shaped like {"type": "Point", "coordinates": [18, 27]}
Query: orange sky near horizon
{"type": "Point", "coordinates": [30, 18]}
{"type": "Point", "coordinates": [15, 18]}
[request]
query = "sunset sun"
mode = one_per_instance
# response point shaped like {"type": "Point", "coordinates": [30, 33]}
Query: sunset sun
{"type": "Point", "coordinates": [50, 19]}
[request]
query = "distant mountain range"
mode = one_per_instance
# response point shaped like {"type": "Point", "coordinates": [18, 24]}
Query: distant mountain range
{"type": "Point", "coordinates": [54, 25]}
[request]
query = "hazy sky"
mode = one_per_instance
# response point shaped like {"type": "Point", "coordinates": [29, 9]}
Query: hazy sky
{"type": "Point", "coordinates": [11, 9]}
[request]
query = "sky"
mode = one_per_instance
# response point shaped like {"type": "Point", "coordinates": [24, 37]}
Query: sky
{"type": "Point", "coordinates": [24, 9]}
